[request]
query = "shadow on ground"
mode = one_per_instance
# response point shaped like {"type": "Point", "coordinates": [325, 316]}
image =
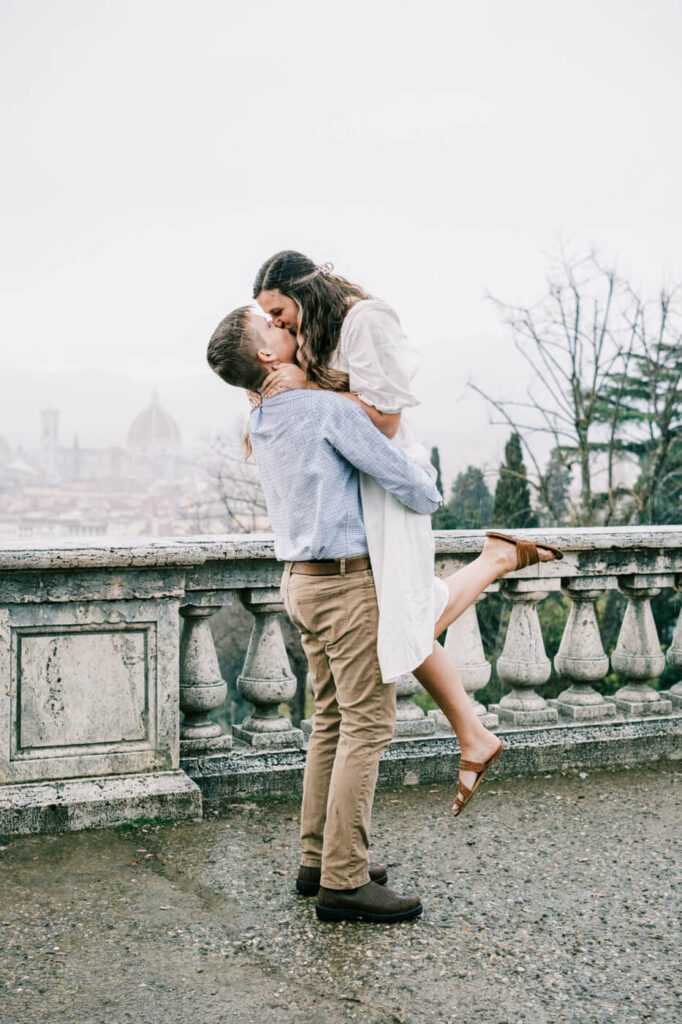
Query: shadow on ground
{"type": "Point", "coordinates": [550, 899]}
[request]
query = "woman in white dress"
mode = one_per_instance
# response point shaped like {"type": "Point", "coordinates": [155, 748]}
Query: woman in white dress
{"type": "Point", "coordinates": [353, 343]}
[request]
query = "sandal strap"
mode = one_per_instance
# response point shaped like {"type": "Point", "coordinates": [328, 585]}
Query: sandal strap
{"type": "Point", "coordinates": [526, 550]}
{"type": "Point", "coordinates": [464, 793]}
{"type": "Point", "coordinates": [526, 554]}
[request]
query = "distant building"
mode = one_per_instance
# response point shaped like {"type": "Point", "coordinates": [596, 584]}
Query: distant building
{"type": "Point", "coordinates": [153, 452]}
{"type": "Point", "coordinates": [154, 445]}
{"type": "Point", "coordinates": [146, 485]}
{"type": "Point", "coordinates": [49, 442]}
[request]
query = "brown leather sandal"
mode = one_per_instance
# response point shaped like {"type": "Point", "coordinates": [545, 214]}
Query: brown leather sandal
{"type": "Point", "coordinates": [526, 550]}
{"type": "Point", "coordinates": [481, 769]}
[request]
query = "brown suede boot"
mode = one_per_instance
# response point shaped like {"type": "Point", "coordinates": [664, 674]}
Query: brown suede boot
{"type": "Point", "coordinates": [308, 881]}
{"type": "Point", "coordinates": [368, 902]}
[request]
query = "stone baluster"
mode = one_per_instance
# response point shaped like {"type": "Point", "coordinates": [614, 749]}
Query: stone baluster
{"type": "Point", "coordinates": [307, 723]}
{"type": "Point", "coordinates": [523, 664]}
{"type": "Point", "coordinates": [202, 688]}
{"type": "Point", "coordinates": [638, 656]}
{"type": "Point", "coordinates": [266, 680]}
{"type": "Point", "coordinates": [675, 654]}
{"type": "Point", "coordinates": [464, 645]}
{"type": "Point", "coordinates": [581, 658]}
{"type": "Point", "coordinates": [410, 718]}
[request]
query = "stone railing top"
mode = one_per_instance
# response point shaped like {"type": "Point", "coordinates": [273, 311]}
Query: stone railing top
{"type": "Point", "coordinates": [594, 538]}
{"type": "Point", "coordinates": [139, 552]}
{"type": "Point", "coordinates": [136, 552]}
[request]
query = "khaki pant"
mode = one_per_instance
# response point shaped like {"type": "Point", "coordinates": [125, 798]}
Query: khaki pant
{"type": "Point", "coordinates": [353, 722]}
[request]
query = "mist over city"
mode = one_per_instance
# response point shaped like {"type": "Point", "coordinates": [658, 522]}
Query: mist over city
{"type": "Point", "coordinates": [439, 157]}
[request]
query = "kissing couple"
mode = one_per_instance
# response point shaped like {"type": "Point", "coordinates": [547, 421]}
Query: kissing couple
{"type": "Point", "coordinates": [349, 493]}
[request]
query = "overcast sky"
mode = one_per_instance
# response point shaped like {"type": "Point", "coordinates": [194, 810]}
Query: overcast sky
{"type": "Point", "coordinates": [157, 151]}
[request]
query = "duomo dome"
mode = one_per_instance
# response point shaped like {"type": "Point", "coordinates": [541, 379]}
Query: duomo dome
{"type": "Point", "coordinates": [154, 431]}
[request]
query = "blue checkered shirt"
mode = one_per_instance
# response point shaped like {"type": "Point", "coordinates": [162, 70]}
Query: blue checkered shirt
{"type": "Point", "coordinates": [309, 446]}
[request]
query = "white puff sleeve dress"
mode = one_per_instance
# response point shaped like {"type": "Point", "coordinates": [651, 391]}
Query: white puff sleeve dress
{"type": "Point", "coordinates": [375, 354]}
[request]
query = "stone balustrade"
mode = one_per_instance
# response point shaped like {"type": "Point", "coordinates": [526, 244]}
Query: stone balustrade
{"type": "Point", "coordinates": [103, 646]}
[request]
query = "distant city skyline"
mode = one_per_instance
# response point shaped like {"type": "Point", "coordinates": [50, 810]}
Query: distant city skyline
{"type": "Point", "coordinates": [98, 412]}
{"type": "Point", "coordinates": [434, 151]}
{"type": "Point", "coordinates": [146, 483]}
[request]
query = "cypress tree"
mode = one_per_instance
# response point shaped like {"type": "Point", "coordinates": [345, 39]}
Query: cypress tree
{"type": "Point", "coordinates": [557, 480]}
{"type": "Point", "coordinates": [435, 462]}
{"type": "Point", "coordinates": [470, 503]}
{"type": "Point", "coordinates": [512, 507]}
{"type": "Point", "coordinates": [441, 518]}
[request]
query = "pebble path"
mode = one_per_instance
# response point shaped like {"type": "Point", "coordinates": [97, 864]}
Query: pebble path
{"type": "Point", "coordinates": [551, 899]}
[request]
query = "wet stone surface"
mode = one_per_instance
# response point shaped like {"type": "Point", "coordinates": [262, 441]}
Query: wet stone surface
{"type": "Point", "coordinates": [551, 899]}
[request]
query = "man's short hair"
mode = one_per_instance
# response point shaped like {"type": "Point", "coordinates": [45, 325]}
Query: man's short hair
{"type": "Point", "coordinates": [233, 351]}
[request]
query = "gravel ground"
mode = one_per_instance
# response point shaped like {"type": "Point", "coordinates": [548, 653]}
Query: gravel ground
{"type": "Point", "coordinates": [554, 898]}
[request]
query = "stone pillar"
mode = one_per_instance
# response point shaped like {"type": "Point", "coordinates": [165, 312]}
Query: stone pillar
{"type": "Point", "coordinates": [464, 645]}
{"type": "Point", "coordinates": [675, 654]}
{"type": "Point", "coordinates": [410, 719]}
{"type": "Point", "coordinates": [581, 658]}
{"type": "Point", "coordinates": [307, 723]}
{"type": "Point", "coordinates": [202, 688]}
{"type": "Point", "coordinates": [638, 656]}
{"type": "Point", "coordinates": [523, 664]}
{"type": "Point", "coordinates": [266, 679]}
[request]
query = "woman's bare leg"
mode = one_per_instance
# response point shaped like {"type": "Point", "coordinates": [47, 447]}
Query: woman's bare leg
{"type": "Point", "coordinates": [440, 678]}
{"type": "Point", "coordinates": [438, 673]}
{"type": "Point", "coordinates": [465, 585]}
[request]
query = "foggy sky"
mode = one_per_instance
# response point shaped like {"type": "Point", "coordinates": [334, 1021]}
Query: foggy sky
{"type": "Point", "coordinates": [156, 152]}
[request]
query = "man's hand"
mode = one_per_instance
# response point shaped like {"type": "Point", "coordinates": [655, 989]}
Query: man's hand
{"type": "Point", "coordinates": [283, 377]}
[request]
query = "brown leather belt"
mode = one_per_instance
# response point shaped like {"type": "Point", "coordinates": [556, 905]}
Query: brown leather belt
{"type": "Point", "coordinates": [332, 566]}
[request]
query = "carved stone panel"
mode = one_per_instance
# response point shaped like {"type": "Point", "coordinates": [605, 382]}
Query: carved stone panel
{"type": "Point", "coordinates": [55, 673]}
{"type": "Point", "coordinates": [88, 689]}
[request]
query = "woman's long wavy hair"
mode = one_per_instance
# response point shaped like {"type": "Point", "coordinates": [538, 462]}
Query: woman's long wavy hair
{"type": "Point", "coordinates": [323, 300]}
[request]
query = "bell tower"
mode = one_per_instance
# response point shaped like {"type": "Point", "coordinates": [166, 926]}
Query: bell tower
{"type": "Point", "coordinates": [49, 440]}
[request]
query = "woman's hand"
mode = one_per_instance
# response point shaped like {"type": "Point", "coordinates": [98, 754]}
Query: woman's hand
{"type": "Point", "coordinates": [283, 377]}
{"type": "Point", "coordinates": [254, 399]}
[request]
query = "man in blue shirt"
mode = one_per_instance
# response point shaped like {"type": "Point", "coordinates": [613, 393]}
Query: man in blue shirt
{"type": "Point", "coordinates": [310, 445]}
